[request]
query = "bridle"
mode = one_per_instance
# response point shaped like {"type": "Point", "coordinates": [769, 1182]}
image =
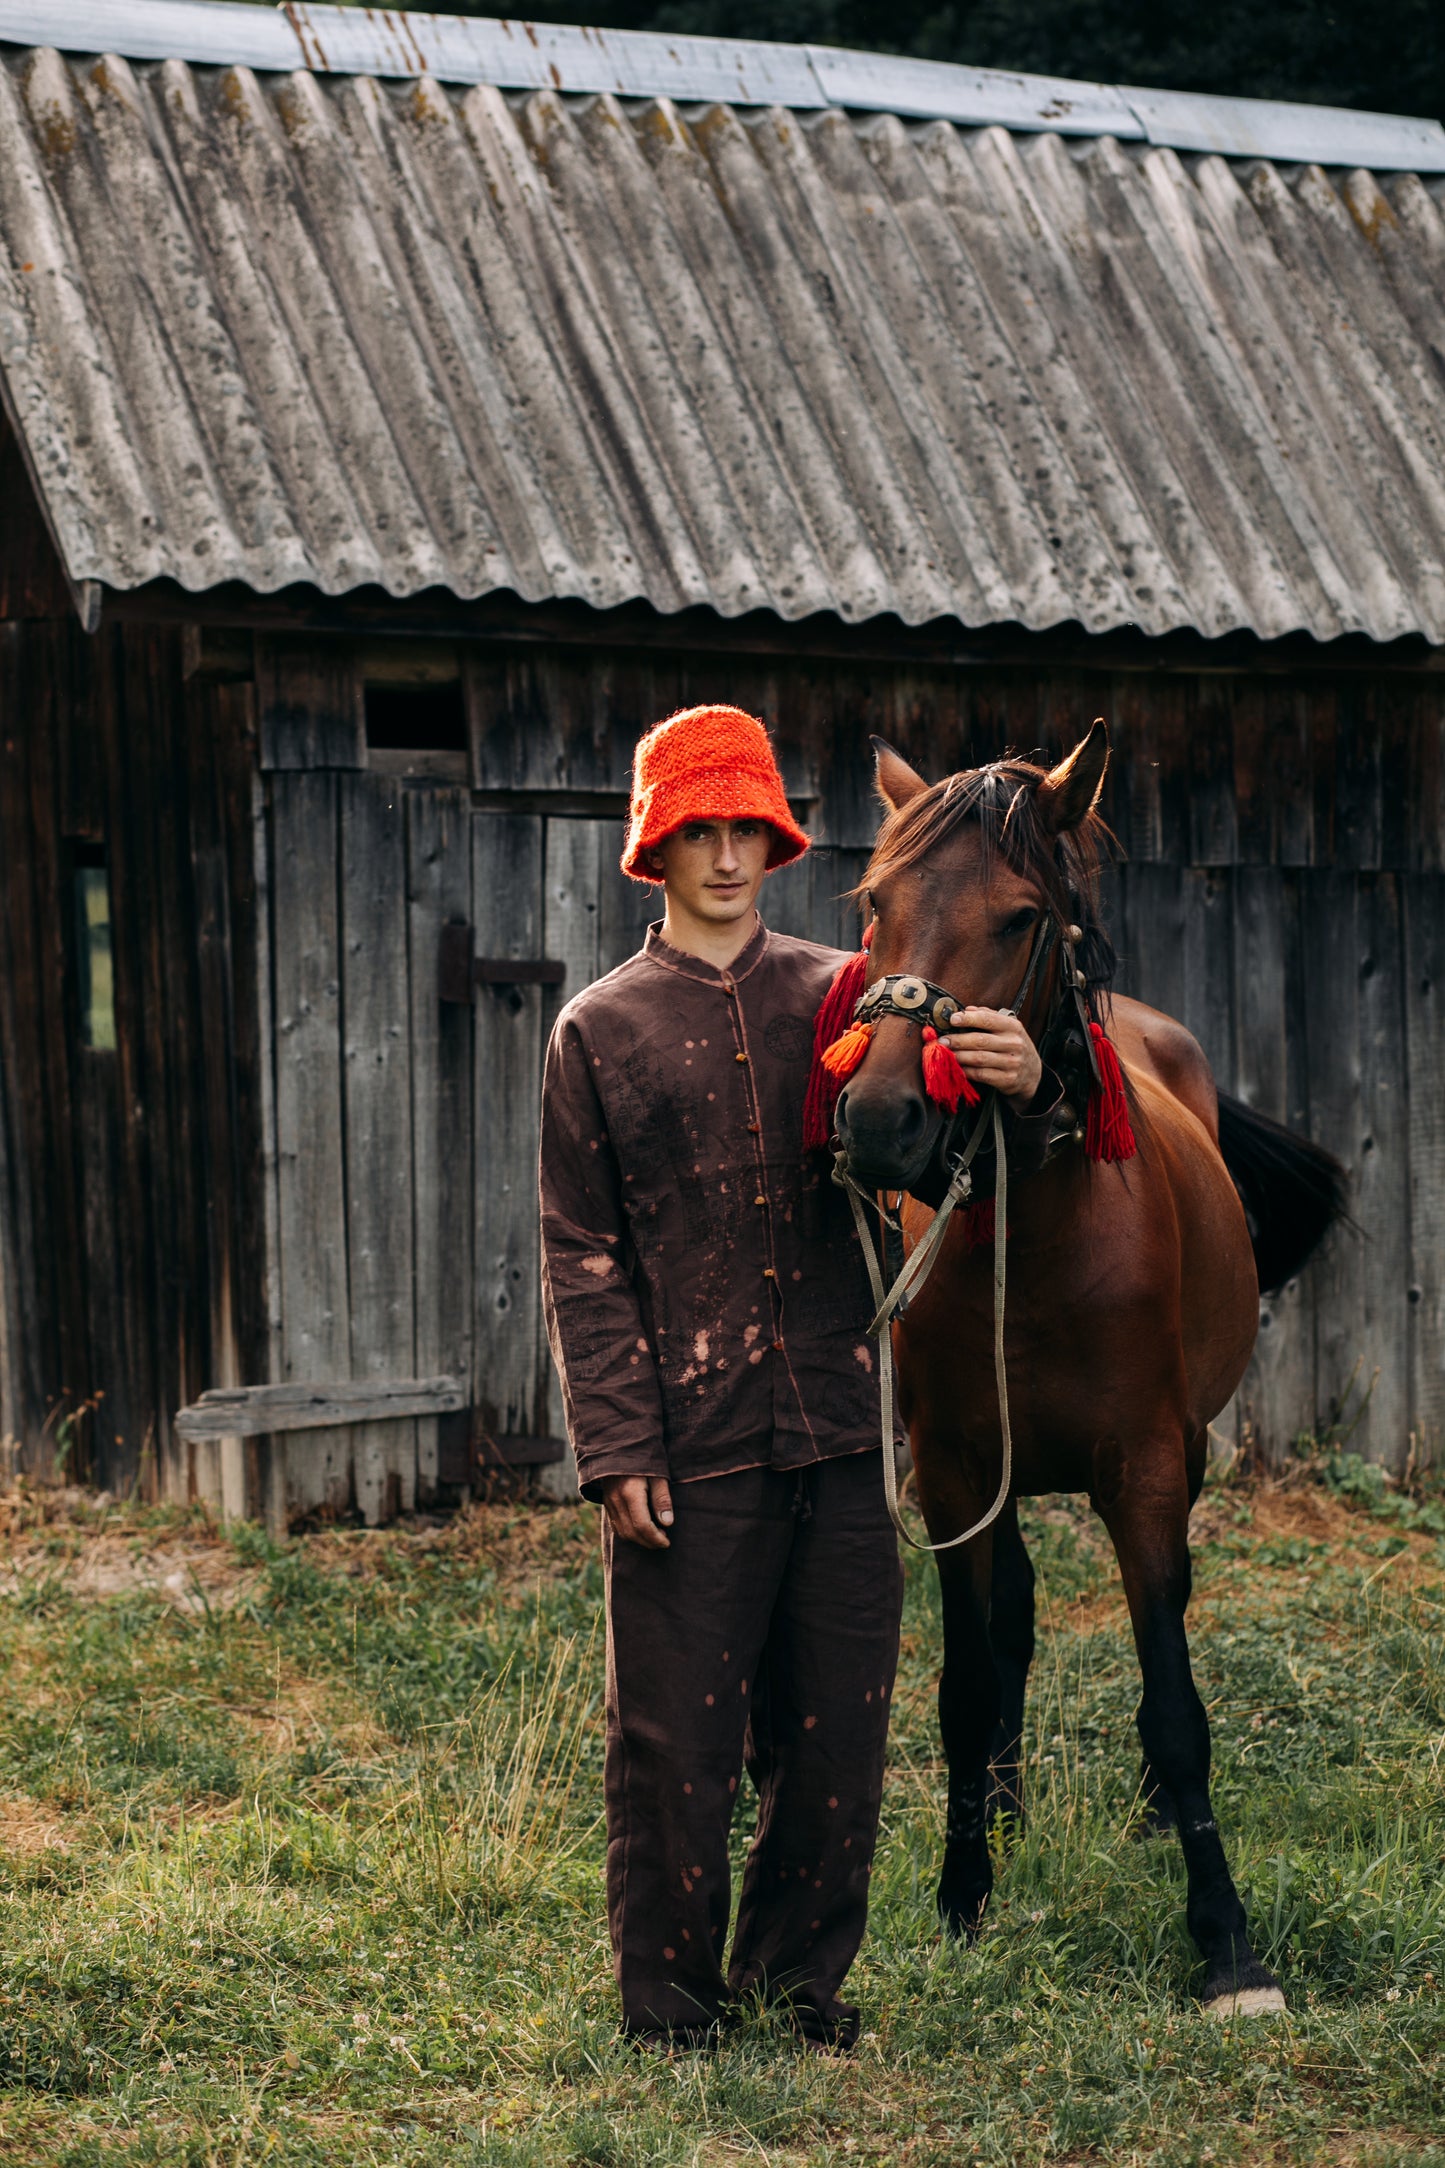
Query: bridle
{"type": "Point", "coordinates": [901, 993]}
{"type": "Point", "coordinates": [913, 998]}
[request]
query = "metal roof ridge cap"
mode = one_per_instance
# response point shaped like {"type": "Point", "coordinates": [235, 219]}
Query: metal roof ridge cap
{"type": "Point", "coordinates": [218, 33]}
{"type": "Point", "coordinates": [742, 71]}
{"type": "Point", "coordinates": [1286, 132]}
{"type": "Point", "coordinates": [512, 53]}
{"type": "Point", "coordinates": [1031, 103]}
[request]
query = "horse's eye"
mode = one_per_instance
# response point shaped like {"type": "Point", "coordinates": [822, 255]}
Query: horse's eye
{"type": "Point", "coordinates": [1020, 923]}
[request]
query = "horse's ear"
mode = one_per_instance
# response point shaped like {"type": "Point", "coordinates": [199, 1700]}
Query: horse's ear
{"type": "Point", "coordinates": [895, 782]}
{"type": "Point", "coordinates": [1070, 792]}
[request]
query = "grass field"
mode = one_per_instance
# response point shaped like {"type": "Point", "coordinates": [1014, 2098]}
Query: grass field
{"type": "Point", "coordinates": [300, 1863]}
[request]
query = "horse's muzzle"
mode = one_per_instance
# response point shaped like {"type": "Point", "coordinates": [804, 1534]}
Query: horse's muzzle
{"type": "Point", "coordinates": [889, 1138]}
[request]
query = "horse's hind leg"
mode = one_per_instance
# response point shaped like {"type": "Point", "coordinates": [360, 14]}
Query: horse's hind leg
{"type": "Point", "coordinates": [1161, 1817]}
{"type": "Point", "coordinates": [1149, 1523]}
{"type": "Point", "coordinates": [968, 1714]}
{"type": "Point", "coordinates": [1011, 1635]}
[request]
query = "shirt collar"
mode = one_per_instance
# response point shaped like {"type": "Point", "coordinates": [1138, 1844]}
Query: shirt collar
{"type": "Point", "coordinates": [662, 952]}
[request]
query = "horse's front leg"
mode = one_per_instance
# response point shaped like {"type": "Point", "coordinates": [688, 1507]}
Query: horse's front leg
{"type": "Point", "coordinates": [1011, 1637]}
{"type": "Point", "coordinates": [1145, 1507]}
{"type": "Point", "coordinates": [968, 1714]}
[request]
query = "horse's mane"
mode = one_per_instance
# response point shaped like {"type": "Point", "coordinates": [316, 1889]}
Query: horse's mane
{"type": "Point", "coordinates": [1003, 799]}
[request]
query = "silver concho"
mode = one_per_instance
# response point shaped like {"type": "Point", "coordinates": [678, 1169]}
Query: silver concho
{"type": "Point", "coordinates": [872, 996]}
{"type": "Point", "coordinates": [909, 993]}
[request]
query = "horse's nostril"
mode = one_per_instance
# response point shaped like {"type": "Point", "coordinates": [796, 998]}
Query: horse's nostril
{"type": "Point", "coordinates": [911, 1120]}
{"type": "Point", "coordinates": [896, 1125]}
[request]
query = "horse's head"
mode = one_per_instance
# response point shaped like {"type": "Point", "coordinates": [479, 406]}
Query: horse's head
{"type": "Point", "coordinates": [963, 876]}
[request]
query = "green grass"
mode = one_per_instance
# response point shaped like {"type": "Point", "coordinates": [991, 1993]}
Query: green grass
{"type": "Point", "coordinates": [300, 1863]}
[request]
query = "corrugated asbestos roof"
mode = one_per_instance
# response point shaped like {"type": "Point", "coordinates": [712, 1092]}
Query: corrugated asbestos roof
{"type": "Point", "coordinates": [286, 327]}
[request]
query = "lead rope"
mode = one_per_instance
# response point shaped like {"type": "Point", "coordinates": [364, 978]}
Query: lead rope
{"type": "Point", "coordinates": [912, 1277]}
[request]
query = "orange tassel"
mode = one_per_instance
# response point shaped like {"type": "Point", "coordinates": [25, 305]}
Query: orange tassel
{"type": "Point", "coordinates": [843, 1056]}
{"type": "Point", "coordinates": [943, 1079]}
{"type": "Point", "coordinates": [1108, 1132]}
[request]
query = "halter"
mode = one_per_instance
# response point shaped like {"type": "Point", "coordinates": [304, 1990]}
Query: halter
{"type": "Point", "coordinates": [902, 993]}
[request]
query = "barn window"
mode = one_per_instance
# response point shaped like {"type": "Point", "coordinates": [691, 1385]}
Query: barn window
{"type": "Point", "coordinates": [416, 716]}
{"type": "Point", "coordinates": [94, 959]}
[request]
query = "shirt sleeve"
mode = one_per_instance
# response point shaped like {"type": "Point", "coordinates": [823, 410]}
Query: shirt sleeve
{"type": "Point", "coordinates": [610, 1388]}
{"type": "Point", "coordinates": [1028, 1132]}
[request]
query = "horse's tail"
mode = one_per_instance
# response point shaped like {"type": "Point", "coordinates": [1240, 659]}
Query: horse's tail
{"type": "Point", "coordinates": [1293, 1191]}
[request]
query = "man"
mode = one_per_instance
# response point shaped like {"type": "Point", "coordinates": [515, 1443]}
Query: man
{"type": "Point", "coordinates": [707, 1302]}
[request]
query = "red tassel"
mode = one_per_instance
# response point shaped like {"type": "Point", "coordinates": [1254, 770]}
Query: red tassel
{"type": "Point", "coordinates": [1108, 1133]}
{"type": "Point", "coordinates": [832, 1022]}
{"type": "Point", "coordinates": [980, 1222]}
{"type": "Point", "coordinates": [843, 1056]}
{"type": "Point", "coordinates": [943, 1079]}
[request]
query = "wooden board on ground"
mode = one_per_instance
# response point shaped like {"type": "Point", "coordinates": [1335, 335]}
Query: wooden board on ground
{"type": "Point", "coordinates": [256, 1411]}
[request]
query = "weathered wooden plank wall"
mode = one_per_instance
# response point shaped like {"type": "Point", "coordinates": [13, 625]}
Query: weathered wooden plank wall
{"type": "Point", "coordinates": [439, 889]}
{"type": "Point", "coordinates": [311, 1171]}
{"type": "Point", "coordinates": [508, 917]}
{"type": "Point", "coordinates": [129, 1265]}
{"type": "Point", "coordinates": [330, 1175]}
{"type": "Point", "coordinates": [380, 1230]}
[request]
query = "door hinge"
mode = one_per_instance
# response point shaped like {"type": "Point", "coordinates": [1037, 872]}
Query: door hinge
{"type": "Point", "coordinates": [461, 972]}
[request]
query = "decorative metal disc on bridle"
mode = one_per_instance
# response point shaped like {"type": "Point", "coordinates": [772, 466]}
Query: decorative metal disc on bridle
{"type": "Point", "coordinates": [906, 995]}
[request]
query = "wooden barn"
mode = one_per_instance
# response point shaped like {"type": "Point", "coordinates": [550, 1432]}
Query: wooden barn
{"type": "Point", "coordinates": [401, 414]}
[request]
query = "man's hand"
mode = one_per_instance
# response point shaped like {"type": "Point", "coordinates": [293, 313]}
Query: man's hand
{"type": "Point", "coordinates": [996, 1052]}
{"type": "Point", "coordinates": [639, 1507]}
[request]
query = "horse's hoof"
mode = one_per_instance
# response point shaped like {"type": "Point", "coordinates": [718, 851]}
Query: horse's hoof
{"type": "Point", "coordinates": [1247, 2002]}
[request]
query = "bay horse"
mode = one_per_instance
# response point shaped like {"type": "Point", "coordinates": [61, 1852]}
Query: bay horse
{"type": "Point", "coordinates": [1132, 1301]}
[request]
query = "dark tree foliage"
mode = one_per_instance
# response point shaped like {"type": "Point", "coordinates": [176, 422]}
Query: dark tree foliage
{"type": "Point", "coordinates": [1325, 52]}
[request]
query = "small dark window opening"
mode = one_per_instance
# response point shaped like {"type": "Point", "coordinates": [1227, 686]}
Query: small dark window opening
{"type": "Point", "coordinates": [94, 956]}
{"type": "Point", "coordinates": [416, 718]}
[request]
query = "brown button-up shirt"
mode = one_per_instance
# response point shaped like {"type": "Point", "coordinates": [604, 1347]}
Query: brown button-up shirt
{"type": "Point", "coordinates": [706, 1297]}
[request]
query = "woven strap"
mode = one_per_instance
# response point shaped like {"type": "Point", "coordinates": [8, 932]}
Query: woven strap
{"type": "Point", "coordinates": [915, 1271]}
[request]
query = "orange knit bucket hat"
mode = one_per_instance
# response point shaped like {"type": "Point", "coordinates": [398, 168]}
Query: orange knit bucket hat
{"type": "Point", "coordinates": [707, 764]}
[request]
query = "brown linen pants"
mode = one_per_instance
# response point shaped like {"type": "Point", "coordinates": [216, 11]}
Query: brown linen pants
{"type": "Point", "coordinates": [766, 1634]}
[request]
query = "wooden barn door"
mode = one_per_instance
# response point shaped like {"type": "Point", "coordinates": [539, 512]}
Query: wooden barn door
{"type": "Point", "coordinates": [368, 1083]}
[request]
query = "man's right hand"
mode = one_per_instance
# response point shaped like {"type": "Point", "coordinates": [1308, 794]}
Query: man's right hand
{"type": "Point", "coordinates": [639, 1508]}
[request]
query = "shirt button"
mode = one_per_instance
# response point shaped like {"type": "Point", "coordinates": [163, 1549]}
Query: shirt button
{"type": "Point", "coordinates": [768, 1273]}
{"type": "Point", "coordinates": [755, 1129]}
{"type": "Point", "coordinates": [778, 1345]}
{"type": "Point", "coordinates": [760, 1200]}
{"type": "Point", "coordinates": [740, 1057]}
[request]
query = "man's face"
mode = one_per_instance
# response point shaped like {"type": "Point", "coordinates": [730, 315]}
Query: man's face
{"type": "Point", "coordinates": [714, 869]}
